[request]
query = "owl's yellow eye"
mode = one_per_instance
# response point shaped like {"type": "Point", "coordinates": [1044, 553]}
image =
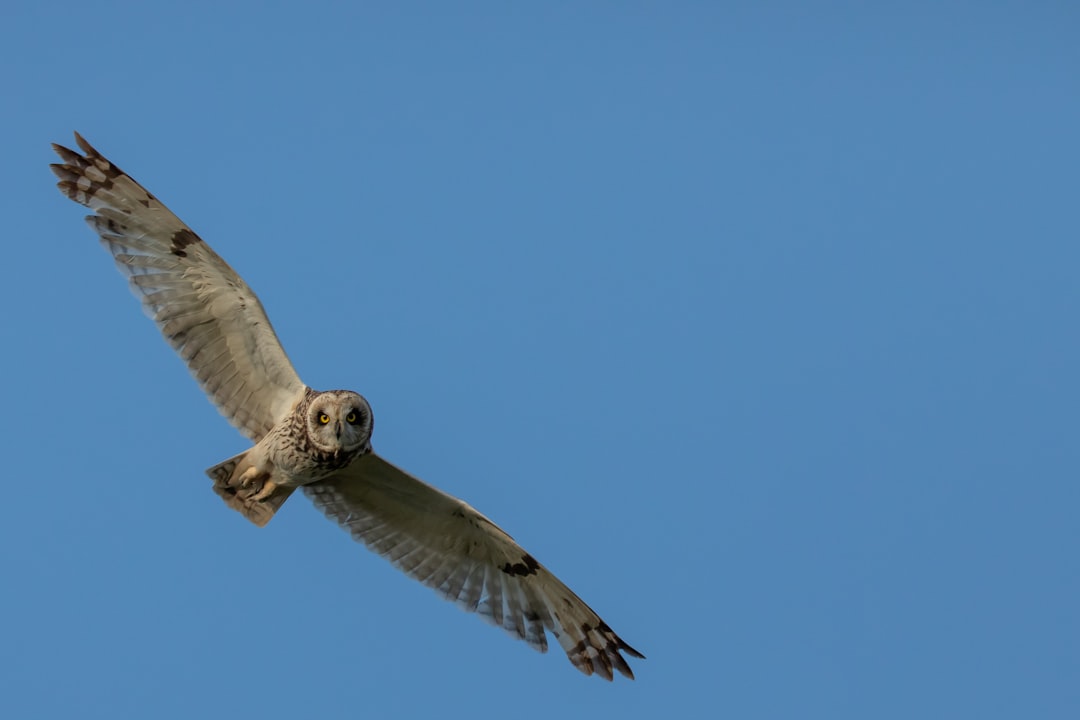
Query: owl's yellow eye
{"type": "Point", "coordinates": [324, 418]}
{"type": "Point", "coordinates": [351, 417]}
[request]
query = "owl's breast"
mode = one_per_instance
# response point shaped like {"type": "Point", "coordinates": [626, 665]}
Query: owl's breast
{"type": "Point", "coordinates": [296, 461]}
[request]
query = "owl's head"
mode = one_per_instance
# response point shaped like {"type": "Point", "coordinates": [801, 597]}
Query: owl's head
{"type": "Point", "coordinates": [339, 421]}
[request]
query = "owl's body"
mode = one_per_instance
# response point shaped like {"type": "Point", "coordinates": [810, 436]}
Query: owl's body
{"type": "Point", "coordinates": [322, 434]}
{"type": "Point", "coordinates": [320, 441]}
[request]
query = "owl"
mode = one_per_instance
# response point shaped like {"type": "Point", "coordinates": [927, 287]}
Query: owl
{"type": "Point", "coordinates": [319, 442]}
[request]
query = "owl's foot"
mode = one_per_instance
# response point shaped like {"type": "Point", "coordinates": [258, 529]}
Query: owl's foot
{"type": "Point", "coordinates": [250, 492]}
{"type": "Point", "coordinates": [250, 476]}
{"type": "Point", "coordinates": [267, 490]}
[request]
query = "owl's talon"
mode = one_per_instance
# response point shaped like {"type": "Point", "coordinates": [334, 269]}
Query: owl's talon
{"type": "Point", "coordinates": [248, 477]}
{"type": "Point", "coordinates": [267, 490]}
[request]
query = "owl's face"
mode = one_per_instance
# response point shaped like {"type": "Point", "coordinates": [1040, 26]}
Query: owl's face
{"type": "Point", "coordinates": [339, 421]}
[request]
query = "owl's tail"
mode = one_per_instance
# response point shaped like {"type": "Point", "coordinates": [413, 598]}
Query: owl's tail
{"type": "Point", "coordinates": [226, 477]}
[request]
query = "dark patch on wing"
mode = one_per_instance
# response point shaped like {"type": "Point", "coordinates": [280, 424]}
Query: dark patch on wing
{"type": "Point", "coordinates": [607, 657]}
{"type": "Point", "coordinates": [181, 239]}
{"type": "Point", "coordinates": [74, 171]}
{"type": "Point", "coordinates": [527, 566]}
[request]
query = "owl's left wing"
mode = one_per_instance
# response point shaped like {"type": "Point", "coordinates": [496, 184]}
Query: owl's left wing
{"type": "Point", "coordinates": [450, 547]}
{"type": "Point", "coordinates": [203, 307]}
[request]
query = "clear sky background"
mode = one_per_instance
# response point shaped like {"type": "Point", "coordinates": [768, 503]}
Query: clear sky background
{"type": "Point", "coordinates": [756, 322]}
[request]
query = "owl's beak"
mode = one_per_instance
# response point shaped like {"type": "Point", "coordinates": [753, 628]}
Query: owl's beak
{"type": "Point", "coordinates": [337, 429]}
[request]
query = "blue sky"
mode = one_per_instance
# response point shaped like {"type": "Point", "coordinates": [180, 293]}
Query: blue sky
{"type": "Point", "coordinates": [755, 322]}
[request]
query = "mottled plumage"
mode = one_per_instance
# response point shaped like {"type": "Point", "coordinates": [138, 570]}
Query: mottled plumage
{"type": "Point", "coordinates": [319, 441]}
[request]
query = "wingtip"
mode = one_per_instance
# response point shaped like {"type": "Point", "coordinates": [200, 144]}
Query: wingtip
{"type": "Point", "coordinates": [61, 150]}
{"type": "Point", "coordinates": [599, 652]}
{"type": "Point", "coordinates": [620, 662]}
{"type": "Point", "coordinates": [69, 156]}
{"type": "Point", "coordinates": [85, 146]}
{"type": "Point", "coordinates": [629, 650]}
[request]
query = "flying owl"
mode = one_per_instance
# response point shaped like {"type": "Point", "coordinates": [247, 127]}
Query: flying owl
{"type": "Point", "coordinates": [319, 442]}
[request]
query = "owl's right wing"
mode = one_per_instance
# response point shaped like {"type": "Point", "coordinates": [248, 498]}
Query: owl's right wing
{"type": "Point", "coordinates": [203, 307]}
{"type": "Point", "coordinates": [449, 546]}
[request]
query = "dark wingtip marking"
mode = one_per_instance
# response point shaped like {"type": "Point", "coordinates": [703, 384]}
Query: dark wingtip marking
{"type": "Point", "coordinates": [606, 657]}
{"type": "Point", "coordinates": [603, 627]}
{"type": "Point", "coordinates": [527, 566]}
{"type": "Point", "coordinates": [86, 147]}
{"type": "Point", "coordinates": [181, 239]}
